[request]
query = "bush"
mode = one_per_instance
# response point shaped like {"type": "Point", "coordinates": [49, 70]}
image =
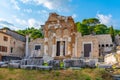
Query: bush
{"type": "Point", "coordinates": [45, 64]}
{"type": "Point", "coordinates": [61, 64]}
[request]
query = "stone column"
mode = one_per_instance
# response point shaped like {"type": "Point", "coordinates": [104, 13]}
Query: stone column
{"type": "Point", "coordinates": [26, 47]}
{"type": "Point", "coordinates": [46, 47]}
{"type": "Point", "coordinates": [61, 48]}
{"type": "Point", "coordinates": [69, 45]}
{"type": "Point", "coordinates": [54, 47]}
{"type": "Point", "coordinates": [53, 50]}
{"type": "Point", "coordinates": [73, 50]}
{"type": "Point", "coordinates": [76, 47]}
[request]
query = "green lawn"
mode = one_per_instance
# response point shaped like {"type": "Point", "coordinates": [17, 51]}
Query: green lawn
{"type": "Point", "coordinates": [82, 74]}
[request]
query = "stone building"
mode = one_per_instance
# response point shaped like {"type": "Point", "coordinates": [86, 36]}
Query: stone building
{"type": "Point", "coordinates": [117, 40]}
{"type": "Point", "coordinates": [105, 44]}
{"type": "Point", "coordinates": [11, 43]}
{"type": "Point", "coordinates": [61, 39]}
{"type": "Point", "coordinates": [36, 48]}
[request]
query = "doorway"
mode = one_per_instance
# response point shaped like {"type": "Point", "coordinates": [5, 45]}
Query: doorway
{"type": "Point", "coordinates": [58, 48]}
{"type": "Point", "coordinates": [87, 50]}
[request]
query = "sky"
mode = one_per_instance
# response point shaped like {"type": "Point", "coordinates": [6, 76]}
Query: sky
{"type": "Point", "coordinates": [21, 14]}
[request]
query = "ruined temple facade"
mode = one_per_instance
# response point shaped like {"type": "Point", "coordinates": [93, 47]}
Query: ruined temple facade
{"type": "Point", "coordinates": [59, 35]}
{"type": "Point", "coordinates": [61, 39]}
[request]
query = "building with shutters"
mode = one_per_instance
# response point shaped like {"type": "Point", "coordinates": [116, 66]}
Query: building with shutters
{"type": "Point", "coordinates": [11, 43]}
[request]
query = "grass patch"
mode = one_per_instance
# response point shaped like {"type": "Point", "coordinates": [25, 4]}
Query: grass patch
{"type": "Point", "coordinates": [82, 74]}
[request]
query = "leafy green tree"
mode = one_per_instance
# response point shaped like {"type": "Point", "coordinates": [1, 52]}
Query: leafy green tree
{"type": "Point", "coordinates": [6, 28]}
{"type": "Point", "coordinates": [112, 33]}
{"type": "Point", "coordinates": [34, 33]}
{"type": "Point", "coordinates": [100, 29]}
{"type": "Point", "coordinates": [117, 31]}
{"type": "Point", "coordinates": [91, 21]}
{"type": "Point", "coordinates": [82, 28]}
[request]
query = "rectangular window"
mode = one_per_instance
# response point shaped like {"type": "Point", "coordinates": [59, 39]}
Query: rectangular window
{"type": "Point", "coordinates": [11, 50]}
{"type": "Point", "coordinates": [3, 49]}
{"type": "Point", "coordinates": [37, 47]}
{"type": "Point", "coordinates": [5, 38]}
{"type": "Point", "coordinates": [0, 48]}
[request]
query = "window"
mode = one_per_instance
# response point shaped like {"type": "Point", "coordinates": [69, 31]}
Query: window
{"type": "Point", "coordinates": [106, 45]}
{"type": "Point", "coordinates": [102, 45]}
{"type": "Point", "coordinates": [5, 38]}
{"type": "Point", "coordinates": [99, 45]}
{"type": "Point", "coordinates": [11, 50]}
{"type": "Point", "coordinates": [37, 47]}
{"type": "Point", "coordinates": [3, 49]}
{"type": "Point", "coordinates": [111, 45]}
{"type": "Point", "coordinates": [0, 48]}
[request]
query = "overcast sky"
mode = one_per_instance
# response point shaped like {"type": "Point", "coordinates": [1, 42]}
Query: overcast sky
{"type": "Point", "coordinates": [21, 14]}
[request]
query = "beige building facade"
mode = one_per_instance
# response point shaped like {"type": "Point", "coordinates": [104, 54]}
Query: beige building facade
{"type": "Point", "coordinates": [10, 44]}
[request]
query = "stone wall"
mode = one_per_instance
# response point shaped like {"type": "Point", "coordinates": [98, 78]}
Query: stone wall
{"type": "Point", "coordinates": [117, 40]}
{"type": "Point", "coordinates": [32, 50]}
{"type": "Point", "coordinates": [18, 47]}
{"type": "Point", "coordinates": [88, 39]}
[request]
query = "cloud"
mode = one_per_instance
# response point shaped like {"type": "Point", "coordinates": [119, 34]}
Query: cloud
{"type": "Point", "coordinates": [58, 5]}
{"type": "Point", "coordinates": [25, 1]}
{"type": "Point", "coordinates": [34, 23]}
{"type": "Point", "coordinates": [20, 22]}
{"type": "Point", "coordinates": [27, 10]}
{"type": "Point", "coordinates": [15, 4]}
{"type": "Point", "coordinates": [4, 23]}
{"type": "Point", "coordinates": [31, 22]}
{"type": "Point", "coordinates": [105, 19]}
{"type": "Point", "coordinates": [108, 20]}
{"type": "Point", "coordinates": [74, 16]}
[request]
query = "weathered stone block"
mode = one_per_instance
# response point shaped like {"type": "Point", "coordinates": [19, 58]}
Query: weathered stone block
{"type": "Point", "coordinates": [54, 63]}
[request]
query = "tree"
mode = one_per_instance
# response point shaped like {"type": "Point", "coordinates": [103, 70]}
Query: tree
{"type": "Point", "coordinates": [82, 28]}
{"type": "Point", "coordinates": [34, 33]}
{"type": "Point", "coordinates": [117, 31]}
{"type": "Point", "coordinates": [6, 28]}
{"type": "Point", "coordinates": [100, 29]}
{"type": "Point", "coordinates": [91, 21]}
{"type": "Point", "coordinates": [112, 33]}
